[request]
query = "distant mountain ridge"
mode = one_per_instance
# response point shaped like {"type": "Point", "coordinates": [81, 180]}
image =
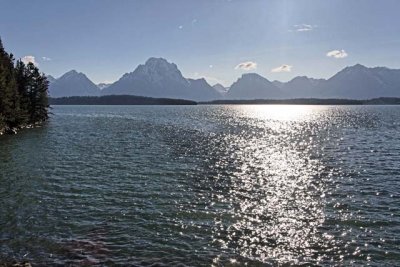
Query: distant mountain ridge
{"type": "Point", "coordinates": [50, 78]}
{"type": "Point", "coordinates": [359, 81]}
{"type": "Point", "coordinates": [221, 89]}
{"type": "Point", "coordinates": [354, 82]}
{"type": "Point", "coordinates": [302, 86]}
{"type": "Point", "coordinates": [72, 83]}
{"type": "Point", "coordinates": [253, 85]}
{"type": "Point", "coordinates": [159, 78]}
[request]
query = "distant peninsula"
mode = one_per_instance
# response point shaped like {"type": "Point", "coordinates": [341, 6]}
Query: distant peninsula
{"type": "Point", "coordinates": [142, 100]}
{"type": "Point", "coordinates": [308, 101]}
{"type": "Point", "coordinates": [118, 100]}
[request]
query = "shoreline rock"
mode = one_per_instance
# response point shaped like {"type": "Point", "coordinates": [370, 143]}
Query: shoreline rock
{"type": "Point", "coordinates": [14, 130]}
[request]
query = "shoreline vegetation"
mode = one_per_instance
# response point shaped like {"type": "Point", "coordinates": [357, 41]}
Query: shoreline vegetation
{"type": "Point", "coordinates": [118, 100]}
{"type": "Point", "coordinates": [23, 94]}
{"type": "Point", "coordinates": [141, 100]}
{"type": "Point", "coordinates": [308, 101]}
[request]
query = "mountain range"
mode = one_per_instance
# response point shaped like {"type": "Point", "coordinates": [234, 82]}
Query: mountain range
{"type": "Point", "coordinates": [159, 78]}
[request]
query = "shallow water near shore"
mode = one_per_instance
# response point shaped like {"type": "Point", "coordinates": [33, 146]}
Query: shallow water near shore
{"type": "Point", "coordinates": [204, 185]}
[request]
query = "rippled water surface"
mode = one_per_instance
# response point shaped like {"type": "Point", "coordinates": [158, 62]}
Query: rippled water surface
{"type": "Point", "coordinates": [204, 186]}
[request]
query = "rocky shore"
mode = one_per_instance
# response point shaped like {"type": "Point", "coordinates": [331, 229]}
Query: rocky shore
{"type": "Point", "coordinates": [15, 130]}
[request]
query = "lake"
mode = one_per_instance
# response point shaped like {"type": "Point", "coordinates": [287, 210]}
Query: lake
{"type": "Point", "coordinates": [204, 186]}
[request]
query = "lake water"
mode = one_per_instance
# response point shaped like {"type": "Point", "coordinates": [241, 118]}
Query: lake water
{"type": "Point", "coordinates": [204, 186]}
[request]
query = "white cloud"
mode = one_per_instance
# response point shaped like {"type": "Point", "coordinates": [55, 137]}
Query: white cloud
{"type": "Point", "coordinates": [249, 65]}
{"type": "Point", "coordinates": [29, 59]}
{"type": "Point", "coordinates": [211, 66]}
{"type": "Point", "coordinates": [303, 27]}
{"type": "Point", "coordinates": [46, 59]}
{"type": "Point", "coordinates": [337, 54]}
{"type": "Point", "coordinates": [180, 27]}
{"type": "Point", "coordinates": [194, 21]}
{"type": "Point", "coordinates": [283, 68]}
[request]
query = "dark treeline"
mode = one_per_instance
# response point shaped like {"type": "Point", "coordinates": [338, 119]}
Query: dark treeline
{"type": "Point", "coordinates": [118, 100]}
{"type": "Point", "coordinates": [309, 101]}
{"type": "Point", "coordinates": [142, 100]}
{"type": "Point", "coordinates": [23, 93]}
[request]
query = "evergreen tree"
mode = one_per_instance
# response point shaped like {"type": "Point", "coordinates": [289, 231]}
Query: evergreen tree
{"type": "Point", "coordinates": [9, 100]}
{"type": "Point", "coordinates": [2, 86]}
{"type": "Point", "coordinates": [21, 76]}
{"type": "Point", "coordinates": [37, 94]}
{"type": "Point", "coordinates": [23, 92]}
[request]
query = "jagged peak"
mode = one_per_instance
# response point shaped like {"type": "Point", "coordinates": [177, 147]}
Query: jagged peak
{"type": "Point", "coordinates": [362, 67]}
{"type": "Point", "coordinates": [156, 71]}
{"type": "Point", "coordinates": [359, 66]}
{"type": "Point", "coordinates": [252, 76]}
{"type": "Point", "coordinates": [159, 63]}
{"type": "Point", "coordinates": [353, 69]}
{"type": "Point", "coordinates": [156, 60]}
{"type": "Point", "coordinates": [71, 72]}
{"type": "Point", "coordinates": [299, 78]}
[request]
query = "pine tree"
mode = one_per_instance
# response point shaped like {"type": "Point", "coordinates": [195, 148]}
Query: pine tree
{"type": "Point", "coordinates": [37, 94]}
{"type": "Point", "coordinates": [21, 76]}
{"type": "Point", "coordinates": [9, 99]}
{"type": "Point", "coordinates": [23, 93]}
{"type": "Point", "coordinates": [2, 86]}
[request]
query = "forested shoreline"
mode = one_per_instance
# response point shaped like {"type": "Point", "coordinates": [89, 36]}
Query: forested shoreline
{"type": "Point", "coordinates": [307, 101]}
{"type": "Point", "coordinates": [118, 100]}
{"type": "Point", "coordinates": [23, 94]}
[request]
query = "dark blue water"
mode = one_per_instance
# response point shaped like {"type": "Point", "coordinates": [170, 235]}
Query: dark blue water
{"type": "Point", "coordinates": [204, 186]}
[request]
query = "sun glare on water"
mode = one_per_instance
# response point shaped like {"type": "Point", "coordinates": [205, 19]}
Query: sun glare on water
{"type": "Point", "coordinates": [280, 112]}
{"type": "Point", "coordinates": [277, 190]}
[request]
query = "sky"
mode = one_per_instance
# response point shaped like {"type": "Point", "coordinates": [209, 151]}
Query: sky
{"type": "Point", "coordinates": [215, 39]}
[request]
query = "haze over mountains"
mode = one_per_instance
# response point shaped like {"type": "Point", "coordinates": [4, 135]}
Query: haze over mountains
{"type": "Point", "coordinates": [222, 90]}
{"type": "Point", "coordinates": [159, 78]}
{"type": "Point", "coordinates": [103, 85]}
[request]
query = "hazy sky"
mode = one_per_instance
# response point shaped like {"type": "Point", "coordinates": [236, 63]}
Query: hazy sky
{"type": "Point", "coordinates": [215, 39]}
